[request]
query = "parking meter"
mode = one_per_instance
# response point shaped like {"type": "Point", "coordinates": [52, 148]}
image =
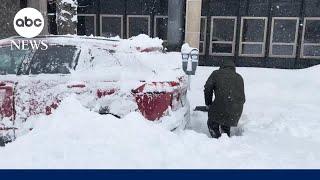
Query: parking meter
{"type": "Point", "coordinates": [185, 58]}
{"type": "Point", "coordinates": [190, 60]}
{"type": "Point", "coordinates": [194, 54]}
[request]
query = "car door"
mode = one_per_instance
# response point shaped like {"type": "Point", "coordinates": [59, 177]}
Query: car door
{"type": "Point", "coordinates": [48, 73]}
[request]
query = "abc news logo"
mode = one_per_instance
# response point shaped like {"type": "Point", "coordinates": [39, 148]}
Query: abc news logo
{"type": "Point", "coordinates": [28, 23]}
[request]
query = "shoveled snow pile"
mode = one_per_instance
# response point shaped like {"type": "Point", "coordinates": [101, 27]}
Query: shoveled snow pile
{"type": "Point", "coordinates": [280, 128]}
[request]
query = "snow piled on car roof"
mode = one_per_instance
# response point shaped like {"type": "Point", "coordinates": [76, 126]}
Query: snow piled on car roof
{"type": "Point", "coordinates": [138, 58]}
{"type": "Point", "coordinates": [127, 62]}
{"type": "Point", "coordinates": [140, 43]}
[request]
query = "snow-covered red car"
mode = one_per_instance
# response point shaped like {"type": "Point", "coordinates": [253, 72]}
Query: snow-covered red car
{"type": "Point", "coordinates": [108, 76]}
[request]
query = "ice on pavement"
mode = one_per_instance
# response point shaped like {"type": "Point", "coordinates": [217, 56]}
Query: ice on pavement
{"type": "Point", "coordinates": [280, 128]}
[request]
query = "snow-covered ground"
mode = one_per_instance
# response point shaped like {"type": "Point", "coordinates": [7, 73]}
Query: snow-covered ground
{"type": "Point", "coordinates": [280, 128]}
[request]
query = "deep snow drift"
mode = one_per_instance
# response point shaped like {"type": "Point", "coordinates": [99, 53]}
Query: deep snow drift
{"type": "Point", "coordinates": [280, 128]}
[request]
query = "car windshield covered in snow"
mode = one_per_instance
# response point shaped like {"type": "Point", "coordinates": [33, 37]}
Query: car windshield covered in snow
{"type": "Point", "coordinates": [54, 60]}
{"type": "Point", "coordinates": [10, 60]}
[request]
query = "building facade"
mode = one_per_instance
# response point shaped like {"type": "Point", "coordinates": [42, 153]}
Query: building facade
{"type": "Point", "coordinates": [8, 10]}
{"type": "Point", "coordinates": [257, 33]}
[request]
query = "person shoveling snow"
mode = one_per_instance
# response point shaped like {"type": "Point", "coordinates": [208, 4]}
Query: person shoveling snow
{"type": "Point", "coordinates": [226, 109]}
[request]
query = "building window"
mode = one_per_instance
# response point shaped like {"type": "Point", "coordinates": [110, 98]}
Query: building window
{"type": "Point", "coordinates": [223, 35]}
{"type": "Point", "coordinates": [86, 24]}
{"type": "Point", "coordinates": [203, 33]}
{"type": "Point", "coordinates": [161, 27]}
{"type": "Point", "coordinates": [138, 24]}
{"type": "Point", "coordinates": [253, 36]}
{"type": "Point", "coordinates": [284, 36]}
{"type": "Point", "coordinates": [111, 25]}
{"type": "Point", "coordinates": [310, 46]}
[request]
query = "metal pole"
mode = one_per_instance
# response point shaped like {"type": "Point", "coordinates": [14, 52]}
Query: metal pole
{"type": "Point", "coordinates": [175, 24]}
{"type": "Point", "coordinates": [189, 82]}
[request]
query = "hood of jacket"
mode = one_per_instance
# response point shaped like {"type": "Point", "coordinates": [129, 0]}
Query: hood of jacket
{"type": "Point", "coordinates": [228, 64]}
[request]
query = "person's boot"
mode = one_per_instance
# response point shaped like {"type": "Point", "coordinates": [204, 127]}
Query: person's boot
{"type": "Point", "coordinates": [216, 135]}
{"type": "Point", "coordinates": [226, 129]}
{"type": "Point", "coordinates": [2, 143]}
{"type": "Point", "coordinates": [215, 131]}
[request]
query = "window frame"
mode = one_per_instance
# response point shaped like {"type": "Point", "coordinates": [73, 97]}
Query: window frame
{"type": "Point", "coordinates": [138, 16]}
{"type": "Point", "coordinates": [204, 35]}
{"type": "Point", "coordinates": [294, 44]}
{"type": "Point", "coordinates": [303, 44]}
{"type": "Point", "coordinates": [95, 21]}
{"type": "Point", "coordinates": [233, 42]}
{"type": "Point", "coordinates": [263, 44]}
{"type": "Point", "coordinates": [112, 16]}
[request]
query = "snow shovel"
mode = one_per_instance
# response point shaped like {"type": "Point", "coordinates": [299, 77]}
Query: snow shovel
{"type": "Point", "coordinates": [201, 108]}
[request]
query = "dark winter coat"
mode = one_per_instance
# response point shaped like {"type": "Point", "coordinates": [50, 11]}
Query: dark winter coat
{"type": "Point", "coordinates": [228, 88]}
